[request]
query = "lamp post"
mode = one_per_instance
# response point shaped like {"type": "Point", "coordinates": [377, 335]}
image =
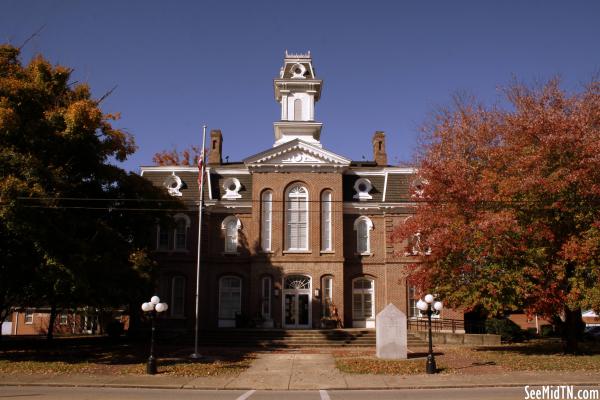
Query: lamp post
{"type": "Point", "coordinates": [427, 305]}
{"type": "Point", "coordinates": [152, 308]}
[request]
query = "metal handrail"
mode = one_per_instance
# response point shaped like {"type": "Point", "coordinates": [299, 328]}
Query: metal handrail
{"type": "Point", "coordinates": [437, 324]}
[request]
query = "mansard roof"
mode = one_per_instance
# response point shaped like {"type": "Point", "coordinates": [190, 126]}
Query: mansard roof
{"type": "Point", "coordinates": [390, 185]}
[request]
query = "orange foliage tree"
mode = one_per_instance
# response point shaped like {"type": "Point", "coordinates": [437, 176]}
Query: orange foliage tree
{"type": "Point", "coordinates": [187, 157]}
{"type": "Point", "coordinates": [509, 205]}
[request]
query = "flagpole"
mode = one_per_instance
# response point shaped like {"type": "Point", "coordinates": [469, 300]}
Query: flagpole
{"type": "Point", "coordinates": [201, 183]}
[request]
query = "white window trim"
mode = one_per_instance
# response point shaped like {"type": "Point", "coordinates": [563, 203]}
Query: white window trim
{"type": "Point", "coordinates": [228, 322]}
{"type": "Point", "coordinates": [364, 194]}
{"type": "Point", "coordinates": [266, 297]}
{"type": "Point", "coordinates": [266, 230]}
{"type": "Point", "coordinates": [327, 295]}
{"type": "Point", "coordinates": [368, 322]}
{"type": "Point", "coordinates": [307, 291]}
{"type": "Point", "coordinates": [158, 247]}
{"type": "Point", "coordinates": [288, 247]}
{"type": "Point", "coordinates": [60, 318]}
{"type": "Point", "coordinates": [326, 221]}
{"type": "Point", "coordinates": [188, 223]}
{"type": "Point", "coordinates": [173, 184]}
{"type": "Point", "coordinates": [25, 317]}
{"type": "Point", "coordinates": [229, 193]}
{"type": "Point", "coordinates": [172, 308]}
{"type": "Point", "coordinates": [363, 220]}
{"type": "Point", "coordinates": [224, 224]}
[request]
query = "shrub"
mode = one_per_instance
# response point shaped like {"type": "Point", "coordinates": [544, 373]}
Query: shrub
{"type": "Point", "coordinates": [115, 329]}
{"type": "Point", "coordinates": [507, 329]}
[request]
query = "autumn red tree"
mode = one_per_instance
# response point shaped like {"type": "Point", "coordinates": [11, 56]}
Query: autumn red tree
{"type": "Point", "coordinates": [508, 205]}
{"type": "Point", "coordinates": [187, 157]}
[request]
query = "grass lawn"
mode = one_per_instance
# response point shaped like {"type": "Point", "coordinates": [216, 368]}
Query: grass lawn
{"type": "Point", "coordinates": [100, 355]}
{"type": "Point", "coordinates": [531, 356]}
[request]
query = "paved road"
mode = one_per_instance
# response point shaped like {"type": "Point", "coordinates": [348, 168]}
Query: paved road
{"type": "Point", "coordinates": [66, 393]}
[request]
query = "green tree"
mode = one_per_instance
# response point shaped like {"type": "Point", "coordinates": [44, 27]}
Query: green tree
{"type": "Point", "coordinates": [509, 204]}
{"type": "Point", "coordinates": [75, 227]}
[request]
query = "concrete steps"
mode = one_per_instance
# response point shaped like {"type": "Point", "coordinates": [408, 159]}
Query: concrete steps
{"type": "Point", "coordinates": [278, 338]}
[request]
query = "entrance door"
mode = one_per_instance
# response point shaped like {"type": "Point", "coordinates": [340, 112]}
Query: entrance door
{"type": "Point", "coordinates": [296, 302]}
{"type": "Point", "coordinates": [296, 310]}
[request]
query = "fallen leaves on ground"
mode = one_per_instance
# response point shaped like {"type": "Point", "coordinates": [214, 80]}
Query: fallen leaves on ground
{"type": "Point", "coordinates": [532, 356]}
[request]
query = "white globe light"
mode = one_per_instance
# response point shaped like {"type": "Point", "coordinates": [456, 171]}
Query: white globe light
{"type": "Point", "coordinates": [155, 300]}
{"type": "Point", "coordinates": [429, 298]}
{"type": "Point", "coordinates": [147, 307]}
{"type": "Point", "coordinates": [161, 307]}
{"type": "Point", "coordinates": [438, 306]}
{"type": "Point", "coordinates": [421, 305]}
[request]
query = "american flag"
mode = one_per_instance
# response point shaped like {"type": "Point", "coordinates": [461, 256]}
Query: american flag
{"type": "Point", "coordinates": [200, 169]}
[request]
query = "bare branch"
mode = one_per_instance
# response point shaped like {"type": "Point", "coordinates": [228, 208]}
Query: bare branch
{"type": "Point", "coordinates": [36, 33]}
{"type": "Point", "coordinates": [106, 94]}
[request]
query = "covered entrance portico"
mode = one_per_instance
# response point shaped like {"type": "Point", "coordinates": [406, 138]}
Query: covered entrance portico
{"type": "Point", "coordinates": [297, 301]}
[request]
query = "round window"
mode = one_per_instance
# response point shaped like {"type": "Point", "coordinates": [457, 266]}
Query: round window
{"type": "Point", "coordinates": [232, 187]}
{"type": "Point", "coordinates": [362, 187]}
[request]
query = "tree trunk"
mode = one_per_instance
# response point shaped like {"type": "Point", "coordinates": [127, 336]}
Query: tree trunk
{"type": "Point", "coordinates": [572, 330]}
{"type": "Point", "coordinates": [3, 316]}
{"type": "Point", "coordinates": [50, 333]}
{"type": "Point", "coordinates": [134, 321]}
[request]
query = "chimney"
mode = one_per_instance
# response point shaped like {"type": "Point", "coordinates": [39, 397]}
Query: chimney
{"type": "Point", "coordinates": [379, 154]}
{"type": "Point", "coordinates": [216, 147]}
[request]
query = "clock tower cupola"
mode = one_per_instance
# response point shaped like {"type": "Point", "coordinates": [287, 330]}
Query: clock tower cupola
{"type": "Point", "coordinates": [297, 90]}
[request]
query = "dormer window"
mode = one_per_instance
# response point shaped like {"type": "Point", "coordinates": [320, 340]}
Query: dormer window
{"type": "Point", "coordinates": [362, 187]}
{"type": "Point", "coordinates": [173, 184]}
{"type": "Point", "coordinates": [298, 70]}
{"type": "Point", "coordinates": [418, 187]}
{"type": "Point", "coordinates": [232, 187]}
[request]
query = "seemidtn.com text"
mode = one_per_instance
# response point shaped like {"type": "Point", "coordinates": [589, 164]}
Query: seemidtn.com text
{"type": "Point", "coordinates": [560, 392]}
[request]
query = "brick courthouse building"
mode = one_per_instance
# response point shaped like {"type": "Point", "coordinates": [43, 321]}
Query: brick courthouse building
{"type": "Point", "coordinates": [295, 236]}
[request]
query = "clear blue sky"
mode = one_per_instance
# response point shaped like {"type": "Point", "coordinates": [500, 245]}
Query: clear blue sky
{"type": "Point", "coordinates": [385, 65]}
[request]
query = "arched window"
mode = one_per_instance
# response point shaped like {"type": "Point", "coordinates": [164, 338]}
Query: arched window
{"type": "Point", "coordinates": [327, 296]}
{"type": "Point", "coordinates": [230, 300]}
{"type": "Point", "coordinates": [177, 296]}
{"type": "Point", "coordinates": [297, 218]}
{"type": "Point", "coordinates": [266, 220]}
{"type": "Point", "coordinates": [326, 232]}
{"type": "Point", "coordinates": [162, 238]}
{"type": "Point", "coordinates": [231, 225]}
{"type": "Point", "coordinates": [297, 110]}
{"type": "Point", "coordinates": [363, 227]}
{"type": "Point", "coordinates": [363, 303]}
{"type": "Point", "coordinates": [182, 224]}
{"type": "Point", "coordinates": [266, 297]}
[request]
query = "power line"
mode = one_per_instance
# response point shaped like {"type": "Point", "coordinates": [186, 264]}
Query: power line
{"type": "Point", "coordinates": [195, 201]}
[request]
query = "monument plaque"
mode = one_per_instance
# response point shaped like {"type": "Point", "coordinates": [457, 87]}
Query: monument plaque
{"type": "Point", "coordinates": [391, 333]}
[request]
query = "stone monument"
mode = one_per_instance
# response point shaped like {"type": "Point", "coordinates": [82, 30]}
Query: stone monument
{"type": "Point", "coordinates": [391, 333]}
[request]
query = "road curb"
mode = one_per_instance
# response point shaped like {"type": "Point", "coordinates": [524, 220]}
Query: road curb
{"type": "Point", "coordinates": [183, 387]}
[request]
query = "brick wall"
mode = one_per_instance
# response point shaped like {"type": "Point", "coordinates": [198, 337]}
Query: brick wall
{"type": "Point", "coordinates": [387, 264]}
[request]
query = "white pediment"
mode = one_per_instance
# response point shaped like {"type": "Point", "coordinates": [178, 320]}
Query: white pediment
{"type": "Point", "coordinates": [296, 154]}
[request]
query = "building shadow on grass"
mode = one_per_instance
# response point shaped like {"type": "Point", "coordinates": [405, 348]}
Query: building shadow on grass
{"type": "Point", "coordinates": [109, 351]}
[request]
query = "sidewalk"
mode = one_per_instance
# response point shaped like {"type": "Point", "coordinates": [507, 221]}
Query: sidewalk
{"type": "Point", "coordinates": [303, 372]}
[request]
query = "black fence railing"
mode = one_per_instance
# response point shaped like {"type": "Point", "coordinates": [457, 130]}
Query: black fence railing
{"type": "Point", "coordinates": [437, 324]}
